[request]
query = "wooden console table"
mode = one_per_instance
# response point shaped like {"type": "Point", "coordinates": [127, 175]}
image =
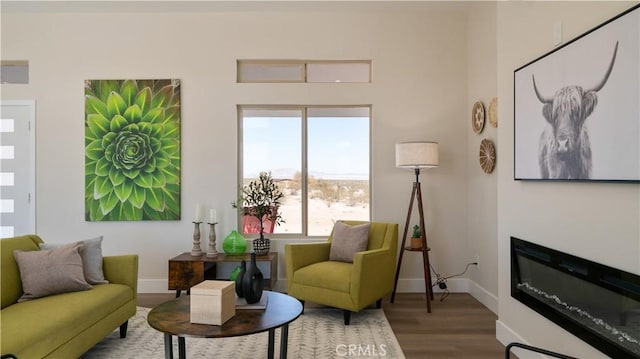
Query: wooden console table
{"type": "Point", "coordinates": [185, 270]}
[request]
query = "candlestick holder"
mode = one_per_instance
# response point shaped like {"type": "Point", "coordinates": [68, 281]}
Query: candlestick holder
{"type": "Point", "coordinates": [196, 251]}
{"type": "Point", "coordinates": [212, 240]}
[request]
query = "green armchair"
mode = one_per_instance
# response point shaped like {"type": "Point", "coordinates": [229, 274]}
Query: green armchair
{"type": "Point", "coordinates": [348, 286]}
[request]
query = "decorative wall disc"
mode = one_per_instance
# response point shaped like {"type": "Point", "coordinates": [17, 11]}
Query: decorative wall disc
{"type": "Point", "coordinates": [487, 155]}
{"type": "Point", "coordinates": [493, 112]}
{"type": "Point", "coordinates": [477, 117]}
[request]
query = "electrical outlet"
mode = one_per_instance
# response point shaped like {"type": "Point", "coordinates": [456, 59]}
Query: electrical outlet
{"type": "Point", "coordinates": [478, 261]}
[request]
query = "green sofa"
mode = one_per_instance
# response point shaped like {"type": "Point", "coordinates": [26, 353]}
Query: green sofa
{"type": "Point", "coordinates": [63, 325]}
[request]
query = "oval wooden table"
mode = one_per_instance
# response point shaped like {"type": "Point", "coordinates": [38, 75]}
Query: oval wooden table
{"type": "Point", "coordinates": [173, 318]}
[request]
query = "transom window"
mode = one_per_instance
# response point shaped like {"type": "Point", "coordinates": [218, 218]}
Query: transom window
{"type": "Point", "coordinates": [318, 155]}
{"type": "Point", "coordinates": [273, 71]}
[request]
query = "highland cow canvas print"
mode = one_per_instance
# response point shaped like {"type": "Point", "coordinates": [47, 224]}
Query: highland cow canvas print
{"type": "Point", "coordinates": [132, 150]}
{"type": "Point", "coordinates": [577, 108]}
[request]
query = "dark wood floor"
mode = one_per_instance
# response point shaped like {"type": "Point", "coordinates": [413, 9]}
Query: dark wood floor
{"type": "Point", "coordinates": [458, 327]}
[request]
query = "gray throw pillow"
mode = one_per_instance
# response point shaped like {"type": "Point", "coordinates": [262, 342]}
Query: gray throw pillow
{"type": "Point", "coordinates": [91, 253]}
{"type": "Point", "coordinates": [52, 271]}
{"type": "Point", "coordinates": [348, 240]}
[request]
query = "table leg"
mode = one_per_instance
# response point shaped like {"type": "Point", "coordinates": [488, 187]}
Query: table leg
{"type": "Point", "coordinates": [284, 338]}
{"type": "Point", "coordinates": [272, 340]}
{"type": "Point", "coordinates": [168, 346]}
{"type": "Point", "coordinates": [182, 351]}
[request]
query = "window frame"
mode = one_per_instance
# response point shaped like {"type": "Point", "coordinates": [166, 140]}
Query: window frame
{"type": "Point", "coordinates": [304, 71]}
{"type": "Point", "coordinates": [304, 198]}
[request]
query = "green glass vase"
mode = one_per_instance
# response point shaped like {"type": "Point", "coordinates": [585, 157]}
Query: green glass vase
{"type": "Point", "coordinates": [234, 244]}
{"type": "Point", "coordinates": [234, 273]}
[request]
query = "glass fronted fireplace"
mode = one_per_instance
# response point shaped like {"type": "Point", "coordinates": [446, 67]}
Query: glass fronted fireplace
{"type": "Point", "coordinates": [597, 303]}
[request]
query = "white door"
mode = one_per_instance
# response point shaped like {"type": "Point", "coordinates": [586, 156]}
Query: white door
{"type": "Point", "coordinates": [17, 168]}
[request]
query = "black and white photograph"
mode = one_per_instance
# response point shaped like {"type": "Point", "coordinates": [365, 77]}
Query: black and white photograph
{"type": "Point", "coordinates": [576, 108]}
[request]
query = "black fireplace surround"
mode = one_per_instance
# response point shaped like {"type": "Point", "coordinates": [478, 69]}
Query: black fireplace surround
{"type": "Point", "coordinates": [597, 303]}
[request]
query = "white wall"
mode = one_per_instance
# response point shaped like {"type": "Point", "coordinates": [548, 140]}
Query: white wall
{"type": "Point", "coordinates": [597, 221]}
{"type": "Point", "coordinates": [482, 188]}
{"type": "Point", "coordinates": [418, 93]}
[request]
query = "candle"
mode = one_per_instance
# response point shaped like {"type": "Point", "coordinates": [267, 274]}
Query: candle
{"type": "Point", "coordinates": [198, 213]}
{"type": "Point", "coordinates": [212, 216]}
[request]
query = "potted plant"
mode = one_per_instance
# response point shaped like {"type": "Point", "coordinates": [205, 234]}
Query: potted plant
{"type": "Point", "coordinates": [261, 198]}
{"type": "Point", "coordinates": [416, 238]}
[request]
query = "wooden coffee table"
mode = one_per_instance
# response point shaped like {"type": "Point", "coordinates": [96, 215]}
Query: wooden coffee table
{"type": "Point", "coordinates": [173, 318]}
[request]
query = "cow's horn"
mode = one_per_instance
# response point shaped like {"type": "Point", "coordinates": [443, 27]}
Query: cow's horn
{"type": "Point", "coordinates": [540, 97]}
{"type": "Point", "coordinates": [606, 76]}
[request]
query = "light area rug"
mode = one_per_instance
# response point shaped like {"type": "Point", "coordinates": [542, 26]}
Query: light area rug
{"type": "Point", "coordinates": [318, 333]}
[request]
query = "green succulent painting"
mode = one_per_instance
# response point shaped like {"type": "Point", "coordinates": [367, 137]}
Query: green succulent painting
{"type": "Point", "coordinates": [132, 150]}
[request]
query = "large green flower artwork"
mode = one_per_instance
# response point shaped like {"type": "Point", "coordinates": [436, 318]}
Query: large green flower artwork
{"type": "Point", "coordinates": [132, 150]}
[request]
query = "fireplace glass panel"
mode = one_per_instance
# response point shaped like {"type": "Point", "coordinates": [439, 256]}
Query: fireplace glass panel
{"type": "Point", "coordinates": [586, 298]}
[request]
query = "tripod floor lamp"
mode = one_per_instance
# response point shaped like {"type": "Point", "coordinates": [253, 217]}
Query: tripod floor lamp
{"type": "Point", "coordinates": [416, 155]}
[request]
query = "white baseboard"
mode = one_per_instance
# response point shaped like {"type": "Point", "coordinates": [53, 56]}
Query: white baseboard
{"type": "Point", "coordinates": [416, 285]}
{"type": "Point", "coordinates": [506, 335]}
{"type": "Point", "coordinates": [455, 285]}
{"type": "Point", "coordinates": [148, 286]}
{"type": "Point", "coordinates": [483, 296]}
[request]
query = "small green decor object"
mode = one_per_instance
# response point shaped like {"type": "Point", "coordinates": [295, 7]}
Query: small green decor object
{"type": "Point", "coordinates": [416, 231]}
{"type": "Point", "coordinates": [240, 278]}
{"type": "Point", "coordinates": [234, 244]}
{"type": "Point", "coordinates": [234, 273]}
{"type": "Point", "coordinates": [416, 238]}
{"type": "Point", "coordinates": [132, 150]}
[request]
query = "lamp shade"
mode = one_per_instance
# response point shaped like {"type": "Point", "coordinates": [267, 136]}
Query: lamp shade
{"type": "Point", "coordinates": [420, 154]}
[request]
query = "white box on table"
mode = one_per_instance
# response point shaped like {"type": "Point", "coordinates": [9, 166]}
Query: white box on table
{"type": "Point", "coordinates": [213, 302]}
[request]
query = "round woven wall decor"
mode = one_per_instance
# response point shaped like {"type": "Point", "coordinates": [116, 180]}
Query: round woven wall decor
{"type": "Point", "coordinates": [493, 112]}
{"type": "Point", "coordinates": [487, 155]}
{"type": "Point", "coordinates": [477, 117]}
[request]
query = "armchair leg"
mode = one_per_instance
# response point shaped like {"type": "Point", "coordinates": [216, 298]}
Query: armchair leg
{"type": "Point", "coordinates": [347, 316]}
{"type": "Point", "coordinates": [379, 303]}
{"type": "Point", "coordinates": [123, 329]}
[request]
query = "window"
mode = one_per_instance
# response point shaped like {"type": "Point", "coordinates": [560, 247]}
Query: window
{"type": "Point", "coordinates": [318, 155]}
{"type": "Point", "coordinates": [17, 164]}
{"type": "Point", "coordinates": [271, 71]}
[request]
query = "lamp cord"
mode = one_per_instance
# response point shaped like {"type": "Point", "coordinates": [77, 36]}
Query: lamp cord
{"type": "Point", "coordinates": [441, 282]}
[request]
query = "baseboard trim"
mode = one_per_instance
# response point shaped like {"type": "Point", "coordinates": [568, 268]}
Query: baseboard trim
{"type": "Point", "coordinates": [455, 285]}
{"type": "Point", "coordinates": [506, 335]}
{"type": "Point", "coordinates": [484, 296]}
{"type": "Point", "coordinates": [416, 285]}
{"type": "Point", "coordinates": [153, 286]}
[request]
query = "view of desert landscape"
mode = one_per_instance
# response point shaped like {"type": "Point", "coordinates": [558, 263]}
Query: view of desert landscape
{"type": "Point", "coordinates": [330, 200]}
{"type": "Point", "coordinates": [322, 215]}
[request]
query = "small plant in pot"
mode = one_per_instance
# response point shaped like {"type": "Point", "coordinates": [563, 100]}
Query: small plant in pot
{"type": "Point", "coordinates": [261, 198]}
{"type": "Point", "coordinates": [416, 238]}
